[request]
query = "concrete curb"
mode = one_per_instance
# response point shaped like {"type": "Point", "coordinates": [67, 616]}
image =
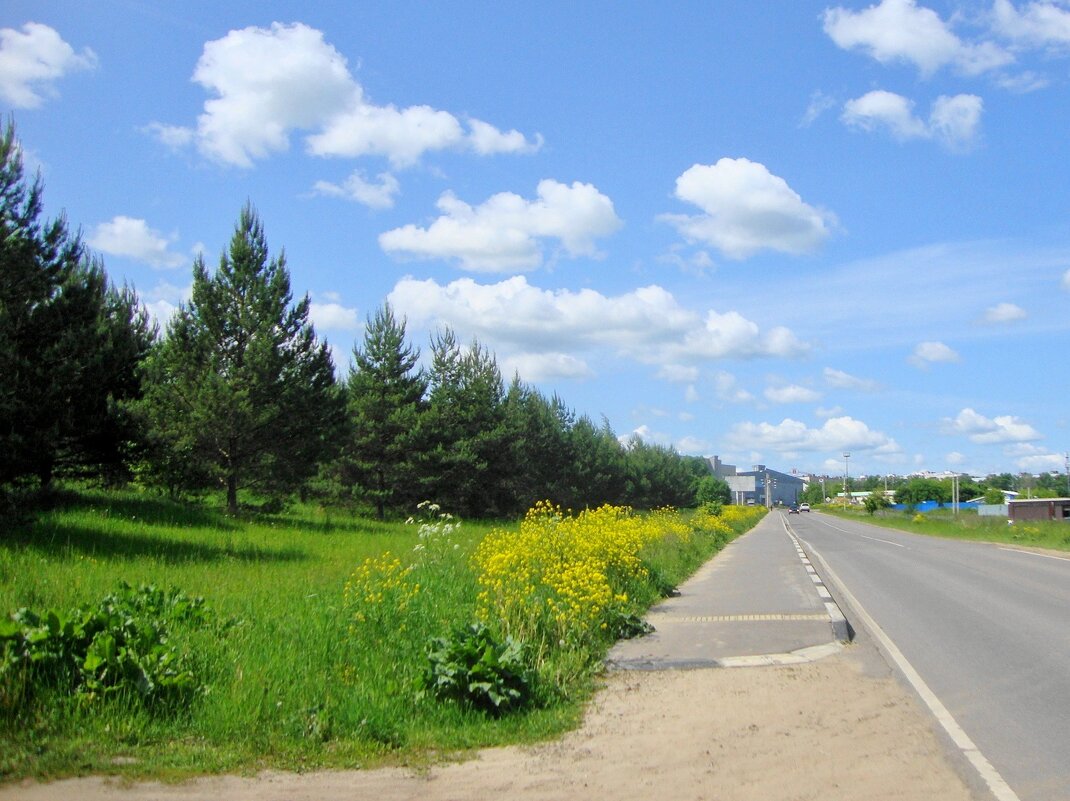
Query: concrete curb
{"type": "Point", "coordinates": [841, 628]}
{"type": "Point", "coordinates": [811, 653]}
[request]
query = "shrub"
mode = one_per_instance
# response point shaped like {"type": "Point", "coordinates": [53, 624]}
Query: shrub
{"type": "Point", "coordinates": [994, 496]}
{"type": "Point", "coordinates": [874, 502]}
{"type": "Point", "coordinates": [472, 667]}
{"type": "Point", "coordinates": [118, 647]}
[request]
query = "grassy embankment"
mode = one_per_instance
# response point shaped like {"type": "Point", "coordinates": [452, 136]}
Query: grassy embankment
{"type": "Point", "coordinates": [967, 525]}
{"type": "Point", "coordinates": [319, 627]}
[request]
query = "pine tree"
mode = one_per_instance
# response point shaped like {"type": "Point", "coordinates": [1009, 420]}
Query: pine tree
{"type": "Point", "coordinates": [385, 393]}
{"type": "Point", "coordinates": [541, 448]}
{"type": "Point", "coordinates": [656, 476]}
{"type": "Point", "coordinates": [466, 464]}
{"type": "Point", "coordinates": [240, 390]}
{"type": "Point", "coordinates": [107, 334]}
{"type": "Point", "coordinates": [598, 463]}
{"type": "Point", "coordinates": [70, 344]}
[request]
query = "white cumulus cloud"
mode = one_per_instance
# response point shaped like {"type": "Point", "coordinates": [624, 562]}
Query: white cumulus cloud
{"type": "Point", "coordinates": [1036, 24]}
{"type": "Point", "coordinates": [266, 83]}
{"type": "Point", "coordinates": [837, 434]}
{"type": "Point", "coordinates": [401, 135]}
{"type": "Point", "coordinates": [791, 393]}
{"type": "Point", "coordinates": [507, 232]}
{"type": "Point", "coordinates": [377, 194]}
{"type": "Point", "coordinates": [953, 121]}
{"type": "Point", "coordinates": [486, 140]}
{"type": "Point", "coordinates": [745, 209]}
{"type": "Point", "coordinates": [927, 353]}
{"type": "Point", "coordinates": [545, 366]}
{"type": "Point", "coordinates": [726, 387]}
{"type": "Point", "coordinates": [647, 324]}
{"type": "Point", "coordinates": [32, 60]}
{"type": "Point", "coordinates": [1041, 463]}
{"type": "Point", "coordinates": [646, 434]}
{"type": "Point", "coordinates": [841, 380]}
{"type": "Point", "coordinates": [988, 431]}
{"type": "Point", "coordinates": [692, 445]}
{"type": "Point", "coordinates": [332, 315]}
{"type": "Point", "coordinates": [163, 299]}
{"type": "Point", "coordinates": [1004, 313]}
{"type": "Point", "coordinates": [132, 238]}
{"type": "Point", "coordinates": [901, 31]}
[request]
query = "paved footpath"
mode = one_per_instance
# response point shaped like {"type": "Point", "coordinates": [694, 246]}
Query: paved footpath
{"type": "Point", "coordinates": [757, 602]}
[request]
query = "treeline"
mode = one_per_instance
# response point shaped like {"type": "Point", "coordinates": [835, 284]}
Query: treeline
{"type": "Point", "coordinates": [455, 433]}
{"type": "Point", "coordinates": [239, 394]}
{"type": "Point", "coordinates": [913, 490]}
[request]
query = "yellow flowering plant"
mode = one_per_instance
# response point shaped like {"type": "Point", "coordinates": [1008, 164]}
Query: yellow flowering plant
{"type": "Point", "coordinates": [564, 578]}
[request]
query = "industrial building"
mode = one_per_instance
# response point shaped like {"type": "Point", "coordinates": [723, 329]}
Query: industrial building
{"type": "Point", "coordinates": [761, 486]}
{"type": "Point", "coordinates": [1038, 509]}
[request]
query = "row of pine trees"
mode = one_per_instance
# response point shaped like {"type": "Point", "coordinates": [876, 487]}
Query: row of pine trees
{"type": "Point", "coordinates": [239, 395]}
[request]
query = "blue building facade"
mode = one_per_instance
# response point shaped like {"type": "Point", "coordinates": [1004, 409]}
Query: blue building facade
{"type": "Point", "coordinates": [773, 488]}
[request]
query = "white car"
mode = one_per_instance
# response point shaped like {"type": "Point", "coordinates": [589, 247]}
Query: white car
{"type": "Point", "coordinates": [804, 507]}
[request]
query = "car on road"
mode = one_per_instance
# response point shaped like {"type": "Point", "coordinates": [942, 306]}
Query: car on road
{"type": "Point", "coordinates": [793, 509]}
{"type": "Point", "coordinates": [804, 507]}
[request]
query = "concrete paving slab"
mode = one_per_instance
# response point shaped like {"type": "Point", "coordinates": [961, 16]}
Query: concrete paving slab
{"type": "Point", "coordinates": [758, 598]}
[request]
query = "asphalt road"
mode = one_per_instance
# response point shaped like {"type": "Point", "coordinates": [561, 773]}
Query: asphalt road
{"type": "Point", "coordinates": [986, 627]}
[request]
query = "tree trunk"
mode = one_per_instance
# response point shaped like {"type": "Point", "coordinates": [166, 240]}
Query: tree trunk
{"type": "Point", "coordinates": [232, 493]}
{"type": "Point", "coordinates": [380, 499]}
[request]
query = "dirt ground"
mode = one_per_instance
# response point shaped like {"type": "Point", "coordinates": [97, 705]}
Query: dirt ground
{"type": "Point", "coordinates": [836, 729]}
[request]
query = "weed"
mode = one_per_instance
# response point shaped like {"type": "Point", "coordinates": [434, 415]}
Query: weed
{"type": "Point", "coordinates": [473, 667]}
{"type": "Point", "coordinates": [118, 647]}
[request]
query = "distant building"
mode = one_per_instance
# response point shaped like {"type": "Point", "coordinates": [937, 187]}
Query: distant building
{"type": "Point", "coordinates": [1039, 509]}
{"type": "Point", "coordinates": [772, 488]}
{"type": "Point", "coordinates": [719, 468]}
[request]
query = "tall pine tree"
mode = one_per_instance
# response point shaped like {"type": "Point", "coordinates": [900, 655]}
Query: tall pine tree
{"type": "Point", "coordinates": [385, 393]}
{"type": "Point", "coordinates": [70, 343]}
{"type": "Point", "coordinates": [466, 464]}
{"type": "Point", "coordinates": [240, 390]}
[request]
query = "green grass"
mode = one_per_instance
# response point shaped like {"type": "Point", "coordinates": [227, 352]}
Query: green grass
{"type": "Point", "coordinates": [967, 525]}
{"type": "Point", "coordinates": [293, 682]}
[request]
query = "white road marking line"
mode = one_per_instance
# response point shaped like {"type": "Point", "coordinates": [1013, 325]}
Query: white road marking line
{"type": "Point", "coordinates": [834, 611]}
{"type": "Point", "coordinates": [886, 542]}
{"type": "Point", "coordinates": [1034, 553]}
{"type": "Point", "coordinates": [839, 623]}
{"type": "Point", "coordinates": [863, 536]}
{"type": "Point", "coordinates": [999, 787]}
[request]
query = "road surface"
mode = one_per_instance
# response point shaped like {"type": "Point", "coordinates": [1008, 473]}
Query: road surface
{"type": "Point", "coordinates": [986, 627]}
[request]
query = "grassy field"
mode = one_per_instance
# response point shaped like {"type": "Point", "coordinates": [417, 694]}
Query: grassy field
{"type": "Point", "coordinates": [967, 525]}
{"type": "Point", "coordinates": [316, 638]}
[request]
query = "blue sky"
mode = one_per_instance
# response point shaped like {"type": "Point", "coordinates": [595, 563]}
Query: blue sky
{"type": "Point", "coordinates": [774, 232]}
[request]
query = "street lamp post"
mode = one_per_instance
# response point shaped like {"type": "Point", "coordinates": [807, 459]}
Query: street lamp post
{"type": "Point", "coordinates": [846, 478]}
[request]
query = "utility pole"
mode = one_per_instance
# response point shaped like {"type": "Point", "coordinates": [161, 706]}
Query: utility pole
{"type": "Point", "coordinates": [1068, 475]}
{"type": "Point", "coordinates": [846, 478]}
